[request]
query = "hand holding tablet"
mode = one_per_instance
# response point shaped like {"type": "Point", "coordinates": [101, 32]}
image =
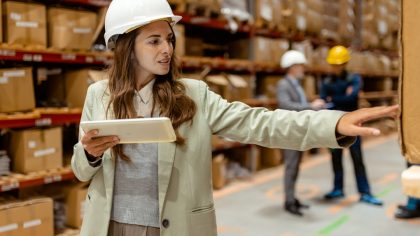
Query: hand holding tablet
{"type": "Point", "coordinates": [139, 130]}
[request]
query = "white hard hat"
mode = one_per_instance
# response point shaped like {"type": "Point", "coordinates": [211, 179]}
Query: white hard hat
{"type": "Point", "coordinates": [124, 16]}
{"type": "Point", "coordinates": [291, 58]}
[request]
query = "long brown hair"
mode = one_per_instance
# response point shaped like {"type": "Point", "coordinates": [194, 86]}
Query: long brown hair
{"type": "Point", "coordinates": [168, 92]}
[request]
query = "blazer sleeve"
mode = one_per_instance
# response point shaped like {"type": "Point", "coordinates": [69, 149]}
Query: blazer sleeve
{"type": "Point", "coordinates": [274, 129]}
{"type": "Point", "coordinates": [285, 101]}
{"type": "Point", "coordinates": [82, 168]}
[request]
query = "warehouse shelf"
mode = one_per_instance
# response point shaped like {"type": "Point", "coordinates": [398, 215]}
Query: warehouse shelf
{"type": "Point", "coordinates": [97, 3]}
{"type": "Point", "coordinates": [40, 117]}
{"type": "Point", "coordinates": [270, 102]}
{"type": "Point", "coordinates": [212, 23]}
{"type": "Point", "coordinates": [13, 53]}
{"type": "Point", "coordinates": [189, 62]}
{"type": "Point", "coordinates": [19, 181]}
{"type": "Point", "coordinates": [226, 145]}
{"type": "Point", "coordinates": [379, 95]}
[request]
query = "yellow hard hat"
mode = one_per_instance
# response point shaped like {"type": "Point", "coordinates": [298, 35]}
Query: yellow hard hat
{"type": "Point", "coordinates": [338, 55]}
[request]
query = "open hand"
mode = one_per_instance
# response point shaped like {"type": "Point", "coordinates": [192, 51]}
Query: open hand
{"type": "Point", "coordinates": [96, 146]}
{"type": "Point", "coordinates": [351, 123]}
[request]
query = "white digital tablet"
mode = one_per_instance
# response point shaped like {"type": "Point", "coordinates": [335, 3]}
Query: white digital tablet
{"type": "Point", "coordinates": [139, 130]}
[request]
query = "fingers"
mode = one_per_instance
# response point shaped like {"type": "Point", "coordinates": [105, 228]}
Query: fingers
{"type": "Point", "coordinates": [96, 146]}
{"type": "Point", "coordinates": [365, 131]}
{"type": "Point", "coordinates": [379, 112]}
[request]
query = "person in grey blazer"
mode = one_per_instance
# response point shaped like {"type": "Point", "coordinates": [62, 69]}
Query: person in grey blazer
{"type": "Point", "coordinates": [290, 96]}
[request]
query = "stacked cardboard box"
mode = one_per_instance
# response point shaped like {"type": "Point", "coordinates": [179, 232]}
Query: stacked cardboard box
{"type": "Point", "coordinates": [71, 29]}
{"type": "Point", "coordinates": [16, 90]}
{"type": "Point", "coordinates": [75, 202]}
{"type": "Point", "coordinates": [36, 149]}
{"type": "Point", "coordinates": [219, 171]}
{"type": "Point", "coordinates": [27, 218]}
{"type": "Point", "coordinates": [25, 24]}
{"type": "Point", "coordinates": [231, 87]}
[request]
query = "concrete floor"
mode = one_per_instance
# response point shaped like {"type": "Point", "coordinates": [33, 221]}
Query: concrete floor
{"type": "Point", "coordinates": [255, 207]}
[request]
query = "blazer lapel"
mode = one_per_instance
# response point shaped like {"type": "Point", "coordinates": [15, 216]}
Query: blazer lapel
{"type": "Point", "coordinates": [166, 157]}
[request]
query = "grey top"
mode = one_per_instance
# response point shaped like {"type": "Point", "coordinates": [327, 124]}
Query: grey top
{"type": "Point", "coordinates": [135, 198]}
{"type": "Point", "coordinates": [291, 96]}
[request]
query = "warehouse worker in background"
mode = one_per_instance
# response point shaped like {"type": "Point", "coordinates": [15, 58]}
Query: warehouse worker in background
{"type": "Point", "coordinates": [340, 90]}
{"type": "Point", "coordinates": [291, 96]}
{"type": "Point", "coordinates": [165, 189]}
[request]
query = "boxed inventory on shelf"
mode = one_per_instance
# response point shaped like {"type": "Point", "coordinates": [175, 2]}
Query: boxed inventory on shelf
{"type": "Point", "coordinates": [25, 24]}
{"type": "Point", "coordinates": [231, 87]}
{"type": "Point", "coordinates": [75, 204]}
{"type": "Point", "coordinates": [77, 83]}
{"type": "Point", "coordinates": [16, 90]}
{"type": "Point", "coordinates": [409, 82]}
{"type": "Point", "coordinates": [71, 29]}
{"type": "Point", "coordinates": [36, 149]}
{"type": "Point", "coordinates": [27, 218]}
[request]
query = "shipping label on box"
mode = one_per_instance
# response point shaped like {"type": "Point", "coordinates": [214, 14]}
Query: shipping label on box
{"type": "Point", "coordinates": [25, 24]}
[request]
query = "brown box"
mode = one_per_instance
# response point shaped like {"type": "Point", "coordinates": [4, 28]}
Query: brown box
{"type": "Point", "coordinates": [409, 83]}
{"type": "Point", "coordinates": [28, 218]}
{"type": "Point", "coordinates": [231, 87]}
{"type": "Point", "coordinates": [270, 157]}
{"type": "Point", "coordinates": [71, 29]}
{"type": "Point", "coordinates": [180, 40]}
{"type": "Point", "coordinates": [219, 171]}
{"type": "Point", "coordinates": [77, 83]}
{"type": "Point", "coordinates": [269, 86]}
{"type": "Point", "coordinates": [36, 149]}
{"type": "Point", "coordinates": [75, 204]}
{"type": "Point", "coordinates": [16, 90]}
{"type": "Point", "coordinates": [25, 24]}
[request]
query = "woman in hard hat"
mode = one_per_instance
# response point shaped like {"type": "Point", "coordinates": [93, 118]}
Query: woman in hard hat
{"type": "Point", "coordinates": [165, 189]}
{"type": "Point", "coordinates": [341, 92]}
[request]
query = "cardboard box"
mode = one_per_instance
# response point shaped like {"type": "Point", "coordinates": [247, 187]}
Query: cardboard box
{"type": "Point", "coordinates": [77, 83]}
{"type": "Point", "coordinates": [231, 87]}
{"type": "Point", "coordinates": [270, 157]}
{"type": "Point", "coordinates": [409, 82]}
{"type": "Point", "coordinates": [16, 90]}
{"type": "Point", "coordinates": [75, 204]}
{"type": "Point", "coordinates": [28, 218]}
{"type": "Point", "coordinates": [25, 24]}
{"type": "Point", "coordinates": [179, 31]}
{"type": "Point", "coordinates": [36, 149]}
{"type": "Point", "coordinates": [268, 86]}
{"type": "Point", "coordinates": [71, 29]}
{"type": "Point", "coordinates": [219, 171]}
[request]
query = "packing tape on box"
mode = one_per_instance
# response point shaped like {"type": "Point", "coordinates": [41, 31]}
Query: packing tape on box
{"type": "Point", "coordinates": [27, 24]}
{"type": "Point", "coordinates": [4, 80]}
{"type": "Point", "coordinates": [82, 30]}
{"type": "Point", "coordinates": [15, 73]}
{"type": "Point", "coordinates": [9, 227]}
{"type": "Point", "coordinates": [44, 152]}
{"type": "Point", "coordinates": [32, 223]}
